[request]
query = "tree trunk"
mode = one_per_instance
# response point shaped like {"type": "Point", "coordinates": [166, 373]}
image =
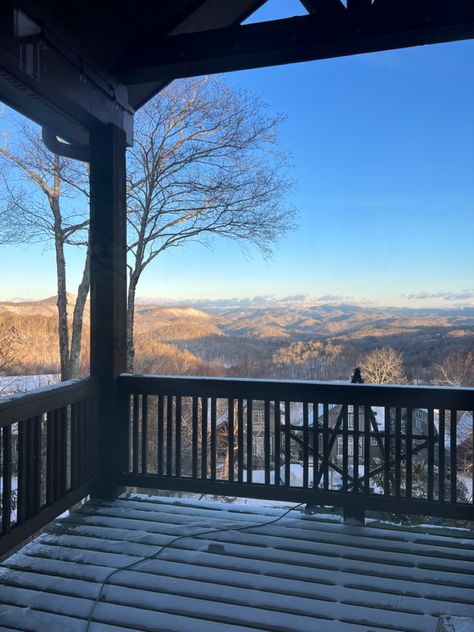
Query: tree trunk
{"type": "Point", "coordinates": [78, 318]}
{"type": "Point", "coordinates": [63, 328]}
{"type": "Point", "coordinates": [132, 289]}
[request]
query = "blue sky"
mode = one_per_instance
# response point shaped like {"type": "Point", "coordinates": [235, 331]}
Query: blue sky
{"type": "Point", "coordinates": [383, 153]}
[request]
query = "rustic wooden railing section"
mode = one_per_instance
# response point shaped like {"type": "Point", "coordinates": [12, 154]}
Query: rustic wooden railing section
{"type": "Point", "coordinates": [360, 447]}
{"type": "Point", "coordinates": [296, 442]}
{"type": "Point", "coordinates": [48, 461]}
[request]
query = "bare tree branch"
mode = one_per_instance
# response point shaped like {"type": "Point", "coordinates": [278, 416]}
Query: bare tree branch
{"type": "Point", "coordinates": [384, 365]}
{"type": "Point", "coordinates": [45, 199]}
{"type": "Point", "coordinates": [205, 164]}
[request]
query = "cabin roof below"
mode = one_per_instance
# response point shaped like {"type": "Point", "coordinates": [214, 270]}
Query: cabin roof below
{"type": "Point", "coordinates": [152, 563]}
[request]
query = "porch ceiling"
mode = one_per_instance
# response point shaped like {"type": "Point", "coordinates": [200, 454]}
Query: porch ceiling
{"type": "Point", "coordinates": [87, 62]}
{"type": "Point", "coordinates": [297, 574]}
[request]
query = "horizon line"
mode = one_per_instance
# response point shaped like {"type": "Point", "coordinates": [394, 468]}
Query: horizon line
{"type": "Point", "coordinates": [265, 301]}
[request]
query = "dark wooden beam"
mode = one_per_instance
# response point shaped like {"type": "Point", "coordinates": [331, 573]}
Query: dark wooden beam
{"type": "Point", "coordinates": [42, 77]}
{"type": "Point", "coordinates": [358, 6]}
{"type": "Point", "coordinates": [108, 288]}
{"type": "Point", "coordinates": [323, 6]}
{"type": "Point", "coordinates": [385, 25]}
{"type": "Point", "coordinates": [221, 14]}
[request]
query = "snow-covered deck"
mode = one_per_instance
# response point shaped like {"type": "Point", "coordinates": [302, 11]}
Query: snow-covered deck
{"type": "Point", "coordinates": [298, 573]}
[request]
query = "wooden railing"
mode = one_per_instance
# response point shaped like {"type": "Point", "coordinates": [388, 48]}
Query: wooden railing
{"type": "Point", "coordinates": [48, 460]}
{"type": "Point", "coordinates": [386, 448]}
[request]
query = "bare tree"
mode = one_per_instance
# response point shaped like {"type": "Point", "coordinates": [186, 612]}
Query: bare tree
{"type": "Point", "coordinates": [384, 365]}
{"type": "Point", "coordinates": [45, 200]}
{"type": "Point", "coordinates": [456, 370]}
{"type": "Point", "coordinates": [205, 163]}
{"type": "Point", "coordinates": [9, 345]}
{"type": "Point", "coordinates": [314, 360]}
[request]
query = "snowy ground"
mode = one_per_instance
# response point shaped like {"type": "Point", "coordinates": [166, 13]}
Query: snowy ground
{"type": "Point", "coordinates": [14, 489]}
{"type": "Point", "coordinates": [13, 384]}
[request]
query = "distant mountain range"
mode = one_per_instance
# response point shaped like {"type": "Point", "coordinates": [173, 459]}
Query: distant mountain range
{"type": "Point", "coordinates": [301, 322]}
{"type": "Point", "coordinates": [292, 322]}
{"type": "Point", "coordinates": [227, 334]}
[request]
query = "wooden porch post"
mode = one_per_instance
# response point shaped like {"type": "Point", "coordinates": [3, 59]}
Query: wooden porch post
{"type": "Point", "coordinates": [108, 289]}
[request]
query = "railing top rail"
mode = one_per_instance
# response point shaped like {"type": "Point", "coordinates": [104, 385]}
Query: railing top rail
{"type": "Point", "coordinates": [37, 401]}
{"type": "Point", "coordinates": [322, 392]}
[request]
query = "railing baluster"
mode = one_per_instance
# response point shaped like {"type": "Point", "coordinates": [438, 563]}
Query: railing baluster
{"type": "Point", "coordinates": [23, 470]}
{"type": "Point", "coordinates": [287, 444]}
{"type": "Point", "coordinates": [80, 448]}
{"type": "Point", "coordinates": [94, 453]}
{"type": "Point", "coordinates": [62, 427]}
{"type": "Point", "coordinates": [230, 443]}
{"type": "Point", "coordinates": [58, 460]}
{"type": "Point", "coordinates": [169, 435]}
{"type": "Point", "coordinates": [84, 440]}
{"type": "Point", "coordinates": [144, 434]}
{"type": "Point", "coordinates": [213, 438]}
{"type": "Point", "coordinates": [74, 447]}
{"type": "Point", "coordinates": [22, 466]}
{"type": "Point", "coordinates": [431, 443]}
{"type": "Point", "coordinates": [453, 452]}
{"type": "Point", "coordinates": [135, 433]}
{"type": "Point", "coordinates": [177, 439]}
{"type": "Point", "coordinates": [204, 437]}
{"type": "Point", "coordinates": [161, 434]}
{"type": "Point", "coordinates": [367, 413]}
{"type": "Point", "coordinates": [472, 452]}
{"type": "Point", "coordinates": [267, 441]}
{"type": "Point", "coordinates": [250, 440]}
{"type": "Point", "coordinates": [6, 478]}
{"type": "Point", "coordinates": [129, 432]}
{"type": "Point", "coordinates": [194, 449]}
{"type": "Point", "coordinates": [315, 443]}
{"type": "Point", "coordinates": [398, 452]}
{"type": "Point", "coordinates": [78, 408]}
{"type": "Point", "coordinates": [50, 455]}
{"type": "Point", "coordinates": [277, 443]}
{"type": "Point", "coordinates": [386, 457]}
{"type": "Point", "coordinates": [29, 469]}
{"type": "Point", "coordinates": [57, 455]}
{"type": "Point", "coordinates": [326, 455]}
{"type": "Point", "coordinates": [305, 446]}
{"type": "Point", "coordinates": [345, 460]}
{"type": "Point", "coordinates": [240, 441]}
{"type": "Point", "coordinates": [69, 446]}
{"type": "Point", "coordinates": [355, 450]}
{"type": "Point", "coordinates": [409, 451]}
{"type": "Point", "coordinates": [36, 454]}
{"type": "Point", "coordinates": [441, 455]}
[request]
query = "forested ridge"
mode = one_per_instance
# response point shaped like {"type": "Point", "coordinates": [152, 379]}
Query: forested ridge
{"type": "Point", "coordinates": [320, 342]}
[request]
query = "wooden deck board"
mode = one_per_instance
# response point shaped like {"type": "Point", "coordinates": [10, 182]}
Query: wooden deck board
{"type": "Point", "coordinates": [299, 574]}
{"type": "Point", "coordinates": [339, 545]}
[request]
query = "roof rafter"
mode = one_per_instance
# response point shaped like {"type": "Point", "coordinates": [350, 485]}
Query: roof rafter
{"type": "Point", "coordinates": [43, 76]}
{"type": "Point", "coordinates": [361, 28]}
{"type": "Point", "coordinates": [325, 6]}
